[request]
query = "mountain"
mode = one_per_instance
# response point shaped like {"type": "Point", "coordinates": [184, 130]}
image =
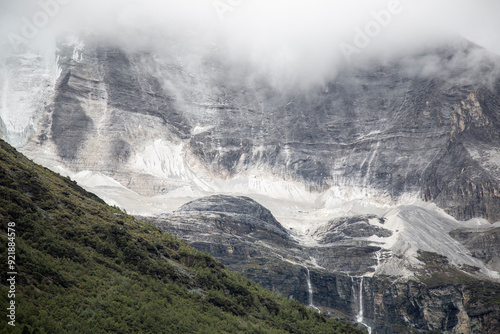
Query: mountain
{"type": "Point", "coordinates": [375, 193]}
{"type": "Point", "coordinates": [82, 266]}
{"type": "Point", "coordinates": [180, 123]}
{"type": "Point", "coordinates": [344, 275]}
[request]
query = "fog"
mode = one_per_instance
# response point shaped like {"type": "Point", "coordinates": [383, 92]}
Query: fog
{"type": "Point", "coordinates": [284, 39]}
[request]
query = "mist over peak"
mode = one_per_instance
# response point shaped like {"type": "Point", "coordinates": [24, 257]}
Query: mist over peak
{"type": "Point", "coordinates": [364, 136]}
{"type": "Point", "coordinates": [289, 42]}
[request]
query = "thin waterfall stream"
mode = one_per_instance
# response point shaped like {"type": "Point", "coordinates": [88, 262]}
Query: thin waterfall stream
{"type": "Point", "coordinates": [310, 291]}
{"type": "Point", "coordinates": [359, 298]}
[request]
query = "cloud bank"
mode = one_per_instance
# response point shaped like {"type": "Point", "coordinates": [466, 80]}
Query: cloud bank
{"type": "Point", "coordinates": [299, 38]}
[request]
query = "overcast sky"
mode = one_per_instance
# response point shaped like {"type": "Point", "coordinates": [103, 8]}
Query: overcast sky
{"type": "Point", "coordinates": [313, 35]}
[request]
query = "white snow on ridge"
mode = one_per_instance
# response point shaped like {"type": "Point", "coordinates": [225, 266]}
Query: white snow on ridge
{"type": "Point", "coordinates": [415, 224]}
{"type": "Point", "coordinates": [113, 193]}
{"type": "Point", "coordinates": [419, 228]}
{"type": "Point", "coordinates": [164, 160]}
{"type": "Point", "coordinates": [27, 82]}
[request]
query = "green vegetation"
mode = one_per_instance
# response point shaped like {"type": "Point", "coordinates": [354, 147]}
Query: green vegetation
{"type": "Point", "coordinates": [85, 267]}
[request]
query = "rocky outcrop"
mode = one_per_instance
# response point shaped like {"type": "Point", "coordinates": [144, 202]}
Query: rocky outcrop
{"type": "Point", "coordinates": [483, 244]}
{"type": "Point", "coordinates": [444, 308]}
{"type": "Point", "coordinates": [348, 227]}
{"type": "Point", "coordinates": [390, 306]}
{"type": "Point", "coordinates": [180, 124]}
{"type": "Point", "coordinates": [393, 128]}
{"type": "Point", "coordinates": [473, 190]}
{"type": "Point", "coordinates": [240, 208]}
{"type": "Point", "coordinates": [339, 274]}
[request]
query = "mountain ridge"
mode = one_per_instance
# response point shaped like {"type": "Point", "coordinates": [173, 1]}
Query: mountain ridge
{"type": "Point", "coordinates": [388, 166]}
{"type": "Point", "coordinates": [85, 267]}
{"type": "Point", "coordinates": [394, 129]}
{"type": "Point", "coordinates": [349, 272]}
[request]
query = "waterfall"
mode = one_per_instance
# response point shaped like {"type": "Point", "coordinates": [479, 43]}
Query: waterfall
{"type": "Point", "coordinates": [359, 298]}
{"type": "Point", "coordinates": [359, 316]}
{"type": "Point", "coordinates": [310, 291]}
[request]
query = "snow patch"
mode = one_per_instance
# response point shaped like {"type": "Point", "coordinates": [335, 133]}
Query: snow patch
{"type": "Point", "coordinates": [415, 225]}
{"type": "Point", "coordinates": [200, 129]}
{"type": "Point", "coordinates": [418, 228]}
{"type": "Point", "coordinates": [164, 160]}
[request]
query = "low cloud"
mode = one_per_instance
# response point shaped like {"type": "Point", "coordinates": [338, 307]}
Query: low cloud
{"type": "Point", "coordinates": [285, 40]}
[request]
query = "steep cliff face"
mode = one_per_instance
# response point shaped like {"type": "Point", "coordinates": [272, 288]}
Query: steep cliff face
{"type": "Point", "coordinates": [474, 188]}
{"type": "Point", "coordinates": [166, 119]}
{"type": "Point", "coordinates": [85, 267]}
{"type": "Point", "coordinates": [343, 166]}
{"type": "Point", "coordinates": [389, 306]}
{"type": "Point", "coordinates": [343, 272]}
{"type": "Point", "coordinates": [483, 244]}
{"type": "Point", "coordinates": [453, 308]}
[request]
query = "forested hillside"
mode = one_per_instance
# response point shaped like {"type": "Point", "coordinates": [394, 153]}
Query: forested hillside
{"type": "Point", "coordinates": [85, 267]}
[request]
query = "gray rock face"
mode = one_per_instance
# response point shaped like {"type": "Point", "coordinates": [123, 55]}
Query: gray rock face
{"type": "Point", "coordinates": [173, 122]}
{"type": "Point", "coordinates": [70, 125]}
{"type": "Point", "coordinates": [483, 244]}
{"type": "Point", "coordinates": [343, 228]}
{"type": "Point", "coordinates": [241, 207]}
{"type": "Point", "coordinates": [392, 127]}
{"type": "Point", "coordinates": [334, 275]}
{"type": "Point", "coordinates": [236, 227]}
